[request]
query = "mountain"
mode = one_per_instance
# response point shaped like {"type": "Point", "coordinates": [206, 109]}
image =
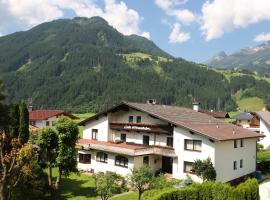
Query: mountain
{"type": "Point", "coordinates": [256, 59]}
{"type": "Point", "coordinates": [84, 64]}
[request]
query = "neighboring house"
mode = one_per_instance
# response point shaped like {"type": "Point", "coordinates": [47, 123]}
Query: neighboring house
{"type": "Point", "coordinates": [168, 139]}
{"type": "Point", "coordinates": [248, 120]}
{"type": "Point", "coordinates": [264, 127]}
{"type": "Point", "coordinates": [43, 118]}
{"type": "Point", "coordinates": [218, 115]}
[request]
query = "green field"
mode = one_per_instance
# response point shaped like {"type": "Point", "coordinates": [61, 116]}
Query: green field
{"type": "Point", "coordinates": [251, 104]}
{"type": "Point", "coordinates": [82, 187]}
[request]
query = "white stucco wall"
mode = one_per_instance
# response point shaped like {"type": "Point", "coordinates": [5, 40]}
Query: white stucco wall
{"type": "Point", "coordinates": [137, 137]}
{"type": "Point", "coordinates": [208, 150]}
{"type": "Point", "coordinates": [265, 130]}
{"type": "Point", "coordinates": [226, 154]}
{"type": "Point", "coordinates": [101, 124]}
{"type": "Point", "coordinates": [123, 117]}
{"type": "Point", "coordinates": [103, 167]}
{"type": "Point", "coordinates": [42, 123]}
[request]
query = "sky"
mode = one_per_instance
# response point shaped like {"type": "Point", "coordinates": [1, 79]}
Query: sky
{"type": "Point", "coordinates": [191, 29]}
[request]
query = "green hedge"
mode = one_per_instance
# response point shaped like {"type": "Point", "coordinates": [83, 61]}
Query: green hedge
{"type": "Point", "coordinates": [248, 190]}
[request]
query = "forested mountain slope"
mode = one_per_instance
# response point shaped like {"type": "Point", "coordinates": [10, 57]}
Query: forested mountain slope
{"type": "Point", "coordinates": [85, 65]}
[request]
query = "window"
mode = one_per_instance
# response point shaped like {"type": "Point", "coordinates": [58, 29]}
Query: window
{"type": "Point", "coordinates": [85, 158]}
{"type": "Point", "coordinates": [53, 123]}
{"type": "Point", "coordinates": [235, 165]}
{"type": "Point", "coordinates": [123, 137]}
{"type": "Point", "coordinates": [170, 141]}
{"type": "Point", "coordinates": [193, 145]}
{"type": "Point", "coordinates": [188, 167]}
{"type": "Point", "coordinates": [130, 119]}
{"type": "Point", "coordinates": [47, 123]}
{"type": "Point", "coordinates": [102, 157]}
{"type": "Point", "coordinates": [33, 123]}
{"type": "Point", "coordinates": [146, 140]}
{"type": "Point", "coordinates": [241, 163]}
{"type": "Point", "coordinates": [235, 143]}
{"type": "Point", "coordinates": [146, 160]}
{"type": "Point", "coordinates": [242, 142]}
{"type": "Point", "coordinates": [139, 119]}
{"type": "Point", "coordinates": [121, 161]}
{"type": "Point", "coordinates": [94, 134]}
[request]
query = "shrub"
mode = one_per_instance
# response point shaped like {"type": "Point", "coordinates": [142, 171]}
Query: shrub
{"type": "Point", "coordinates": [248, 190]}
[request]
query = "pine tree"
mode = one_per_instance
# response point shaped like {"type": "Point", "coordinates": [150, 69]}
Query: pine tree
{"type": "Point", "coordinates": [24, 124]}
{"type": "Point", "coordinates": [14, 113]}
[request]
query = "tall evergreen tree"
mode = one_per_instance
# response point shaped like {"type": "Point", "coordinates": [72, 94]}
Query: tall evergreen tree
{"type": "Point", "coordinates": [14, 113]}
{"type": "Point", "coordinates": [24, 124]}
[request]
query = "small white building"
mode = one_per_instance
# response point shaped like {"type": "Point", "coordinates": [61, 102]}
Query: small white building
{"type": "Point", "coordinates": [46, 118]}
{"type": "Point", "coordinates": [168, 139]}
{"type": "Point", "coordinates": [264, 127]}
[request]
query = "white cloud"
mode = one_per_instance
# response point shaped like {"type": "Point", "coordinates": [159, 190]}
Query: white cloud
{"type": "Point", "coordinates": [263, 37]}
{"type": "Point", "coordinates": [221, 16]}
{"type": "Point", "coordinates": [28, 13]}
{"type": "Point", "coordinates": [177, 36]}
{"type": "Point", "coordinates": [146, 35]}
{"type": "Point", "coordinates": [170, 7]}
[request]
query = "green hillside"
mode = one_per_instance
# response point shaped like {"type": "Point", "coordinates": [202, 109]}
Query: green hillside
{"type": "Point", "coordinates": [84, 65]}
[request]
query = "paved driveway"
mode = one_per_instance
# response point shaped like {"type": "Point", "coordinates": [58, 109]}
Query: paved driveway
{"type": "Point", "coordinates": [265, 191]}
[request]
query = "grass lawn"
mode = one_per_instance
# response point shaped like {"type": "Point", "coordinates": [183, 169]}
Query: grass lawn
{"type": "Point", "coordinates": [126, 196]}
{"type": "Point", "coordinates": [76, 187]}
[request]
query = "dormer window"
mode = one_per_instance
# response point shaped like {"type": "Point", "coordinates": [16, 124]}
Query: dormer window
{"type": "Point", "coordinates": [130, 119]}
{"type": "Point", "coordinates": [139, 119]}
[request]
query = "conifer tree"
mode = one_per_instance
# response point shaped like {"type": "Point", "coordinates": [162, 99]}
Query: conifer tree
{"type": "Point", "coordinates": [24, 124]}
{"type": "Point", "coordinates": [14, 114]}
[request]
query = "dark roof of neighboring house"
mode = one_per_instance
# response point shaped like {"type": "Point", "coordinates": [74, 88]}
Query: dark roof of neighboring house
{"type": "Point", "coordinates": [216, 114]}
{"type": "Point", "coordinates": [194, 121]}
{"type": "Point", "coordinates": [244, 116]}
{"type": "Point", "coordinates": [265, 116]}
{"type": "Point", "coordinates": [45, 114]}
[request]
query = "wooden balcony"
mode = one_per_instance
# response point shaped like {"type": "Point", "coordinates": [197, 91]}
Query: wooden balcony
{"type": "Point", "coordinates": [125, 148]}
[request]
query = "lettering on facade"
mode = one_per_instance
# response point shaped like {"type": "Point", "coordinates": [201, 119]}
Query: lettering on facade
{"type": "Point", "coordinates": [144, 128]}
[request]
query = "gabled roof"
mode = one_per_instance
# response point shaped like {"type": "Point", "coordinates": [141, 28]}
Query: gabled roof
{"type": "Point", "coordinates": [194, 121]}
{"type": "Point", "coordinates": [265, 116]}
{"type": "Point", "coordinates": [45, 114]}
{"type": "Point", "coordinates": [244, 116]}
{"type": "Point", "coordinates": [216, 114]}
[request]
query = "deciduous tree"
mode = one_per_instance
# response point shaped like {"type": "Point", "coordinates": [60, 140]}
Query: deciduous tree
{"type": "Point", "coordinates": [205, 169]}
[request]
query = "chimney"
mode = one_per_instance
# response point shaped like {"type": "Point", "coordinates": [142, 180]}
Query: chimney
{"type": "Point", "coordinates": [196, 106]}
{"type": "Point", "coordinates": [30, 108]}
{"type": "Point", "coordinates": [151, 101]}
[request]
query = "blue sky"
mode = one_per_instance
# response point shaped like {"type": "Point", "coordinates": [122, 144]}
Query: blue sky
{"type": "Point", "coordinates": [191, 29]}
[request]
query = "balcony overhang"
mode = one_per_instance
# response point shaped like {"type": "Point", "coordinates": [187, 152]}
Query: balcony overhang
{"type": "Point", "coordinates": [139, 127]}
{"type": "Point", "coordinates": [125, 148]}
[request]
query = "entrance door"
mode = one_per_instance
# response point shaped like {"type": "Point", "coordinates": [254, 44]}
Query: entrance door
{"type": "Point", "coordinates": [167, 163]}
{"type": "Point", "coordinates": [146, 140]}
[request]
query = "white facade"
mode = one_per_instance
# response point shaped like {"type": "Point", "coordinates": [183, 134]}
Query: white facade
{"type": "Point", "coordinates": [222, 153]}
{"type": "Point", "coordinates": [45, 123]}
{"type": "Point", "coordinates": [265, 130]}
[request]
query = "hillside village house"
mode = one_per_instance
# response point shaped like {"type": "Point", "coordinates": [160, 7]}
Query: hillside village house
{"type": "Point", "coordinates": [43, 118]}
{"type": "Point", "coordinates": [258, 122]}
{"type": "Point", "coordinates": [264, 117]}
{"type": "Point", "coordinates": [168, 139]}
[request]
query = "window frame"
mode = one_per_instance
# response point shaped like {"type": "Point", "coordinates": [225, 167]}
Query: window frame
{"type": "Point", "coordinates": [193, 146]}
{"type": "Point", "coordinates": [241, 163]}
{"type": "Point", "coordinates": [185, 165]}
{"type": "Point", "coordinates": [121, 161]}
{"type": "Point", "coordinates": [130, 119]}
{"type": "Point", "coordinates": [241, 142]}
{"type": "Point", "coordinates": [168, 141]}
{"type": "Point", "coordinates": [121, 138]}
{"type": "Point", "coordinates": [144, 136]}
{"type": "Point", "coordinates": [102, 157]}
{"type": "Point", "coordinates": [137, 119]}
{"type": "Point", "coordinates": [47, 123]}
{"type": "Point", "coordinates": [235, 144]}
{"type": "Point", "coordinates": [94, 134]}
{"type": "Point", "coordinates": [83, 160]}
{"type": "Point", "coordinates": [235, 165]}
